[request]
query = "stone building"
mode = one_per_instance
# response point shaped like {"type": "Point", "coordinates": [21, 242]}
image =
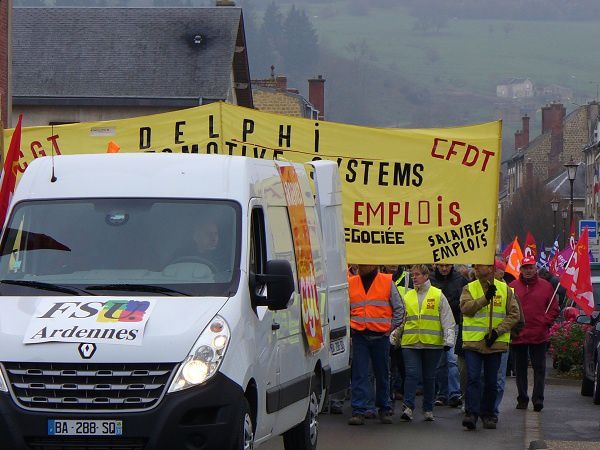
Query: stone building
{"type": "Point", "coordinates": [126, 62]}
{"type": "Point", "coordinates": [592, 174]}
{"type": "Point", "coordinates": [563, 138]}
{"type": "Point", "coordinates": [273, 95]}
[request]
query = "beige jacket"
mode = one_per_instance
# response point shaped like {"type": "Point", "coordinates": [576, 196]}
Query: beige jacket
{"type": "Point", "coordinates": [469, 307]}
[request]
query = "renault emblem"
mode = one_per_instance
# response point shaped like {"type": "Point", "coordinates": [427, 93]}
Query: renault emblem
{"type": "Point", "coordinates": [87, 350]}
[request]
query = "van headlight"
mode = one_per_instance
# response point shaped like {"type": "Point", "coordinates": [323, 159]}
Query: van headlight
{"type": "Point", "coordinates": [205, 358]}
{"type": "Point", "coordinates": [3, 385]}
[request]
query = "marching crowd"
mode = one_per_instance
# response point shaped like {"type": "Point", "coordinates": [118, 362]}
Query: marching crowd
{"type": "Point", "coordinates": [446, 332]}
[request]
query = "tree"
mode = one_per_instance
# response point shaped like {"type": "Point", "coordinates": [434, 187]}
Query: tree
{"type": "Point", "coordinates": [266, 41]}
{"type": "Point", "coordinates": [252, 37]}
{"type": "Point", "coordinates": [300, 43]}
{"type": "Point", "coordinates": [529, 210]}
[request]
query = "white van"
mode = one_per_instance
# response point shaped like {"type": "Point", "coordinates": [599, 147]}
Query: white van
{"type": "Point", "coordinates": [152, 302]}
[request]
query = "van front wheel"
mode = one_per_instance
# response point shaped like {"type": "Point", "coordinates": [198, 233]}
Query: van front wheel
{"type": "Point", "coordinates": [304, 435]}
{"type": "Point", "coordinates": [245, 434]}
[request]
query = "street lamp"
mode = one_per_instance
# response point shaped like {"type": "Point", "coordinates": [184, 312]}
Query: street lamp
{"type": "Point", "coordinates": [564, 214]}
{"type": "Point", "coordinates": [571, 172]}
{"type": "Point", "coordinates": [555, 204]}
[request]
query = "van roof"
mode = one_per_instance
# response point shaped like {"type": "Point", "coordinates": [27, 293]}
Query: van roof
{"type": "Point", "coordinates": [143, 175]}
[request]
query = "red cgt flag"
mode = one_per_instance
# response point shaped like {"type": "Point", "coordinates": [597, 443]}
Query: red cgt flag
{"type": "Point", "coordinates": [513, 263]}
{"type": "Point", "coordinates": [9, 174]}
{"type": "Point", "coordinates": [530, 246]}
{"type": "Point", "coordinates": [577, 277]}
{"type": "Point", "coordinates": [507, 250]}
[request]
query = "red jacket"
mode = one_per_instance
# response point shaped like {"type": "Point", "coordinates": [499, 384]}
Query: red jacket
{"type": "Point", "coordinates": [535, 294]}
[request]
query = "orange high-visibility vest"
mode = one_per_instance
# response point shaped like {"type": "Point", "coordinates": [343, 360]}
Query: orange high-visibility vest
{"type": "Point", "coordinates": [371, 310]}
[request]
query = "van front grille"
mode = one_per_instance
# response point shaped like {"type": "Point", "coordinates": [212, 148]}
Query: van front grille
{"type": "Point", "coordinates": [88, 387]}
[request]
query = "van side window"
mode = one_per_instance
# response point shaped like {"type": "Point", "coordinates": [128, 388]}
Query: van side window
{"type": "Point", "coordinates": [283, 243]}
{"type": "Point", "coordinates": [258, 252]}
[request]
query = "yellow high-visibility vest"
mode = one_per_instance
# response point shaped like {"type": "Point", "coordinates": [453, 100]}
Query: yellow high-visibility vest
{"type": "Point", "coordinates": [477, 327]}
{"type": "Point", "coordinates": [400, 285]}
{"type": "Point", "coordinates": [424, 326]}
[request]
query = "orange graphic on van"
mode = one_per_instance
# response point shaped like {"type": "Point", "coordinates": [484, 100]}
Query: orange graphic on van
{"type": "Point", "coordinates": [311, 318]}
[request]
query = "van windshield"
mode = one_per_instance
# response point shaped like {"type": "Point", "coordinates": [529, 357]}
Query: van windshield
{"type": "Point", "coordinates": [132, 246]}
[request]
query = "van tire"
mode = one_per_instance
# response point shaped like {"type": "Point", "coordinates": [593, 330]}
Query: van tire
{"type": "Point", "coordinates": [596, 393]}
{"type": "Point", "coordinates": [245, 434]}
{"type": "Point", "coordinates": [304, 436]}
{"type": "Point", "coordinates": [587, 387]}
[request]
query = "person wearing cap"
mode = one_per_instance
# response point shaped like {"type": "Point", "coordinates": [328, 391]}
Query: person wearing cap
{"type": "Point", "coordinates": [489, 311]}
{"type": "Point", "coordinates": [536, 296]}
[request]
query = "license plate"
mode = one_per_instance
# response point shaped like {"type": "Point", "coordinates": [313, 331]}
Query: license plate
{"type": "Point", "coordinates": [85, 427]}
{"type": "Point", "coordinates": [337, 346]}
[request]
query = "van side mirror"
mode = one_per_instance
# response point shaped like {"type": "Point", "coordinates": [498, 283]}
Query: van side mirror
{"type": "Point", "coordinates": [279, 279]}
{"type": "Point", "coordinates": [583, 319]}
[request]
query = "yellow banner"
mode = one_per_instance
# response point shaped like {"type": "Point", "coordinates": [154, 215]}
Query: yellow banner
{"type": "Point", "coordinates": [410, 195]}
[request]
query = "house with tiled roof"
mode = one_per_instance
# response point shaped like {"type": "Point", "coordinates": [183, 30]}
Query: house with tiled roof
{"type": "Point", "coordinates": [273, 95]}
{"type": "Point", "coordinates": [86, 64]}
{"type": "Point", "coordinates": [515, 88]}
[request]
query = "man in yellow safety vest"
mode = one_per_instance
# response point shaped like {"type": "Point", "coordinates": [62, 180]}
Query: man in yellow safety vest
{"type": "Point", "coordinates": [490, 311]}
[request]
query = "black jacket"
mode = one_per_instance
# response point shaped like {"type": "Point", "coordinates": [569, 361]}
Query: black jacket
{"type": "Point", "coordinates": [452, 286]}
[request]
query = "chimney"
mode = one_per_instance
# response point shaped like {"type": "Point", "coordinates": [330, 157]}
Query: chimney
{"type": "Point", "coordinates": [518, 139]}
{"type": "Point", "coordinates": [552, 117]}
{"type": "Point", "coordinates": [281, 82]}
{"type": "Point", "coordinates": [522, 136]}
{"type": "Point", "coordinates": [525, 130]}
{"type": "Point", "coordinates": [316, 94]}
{"type": "Point", "coordinates": [225, 3]}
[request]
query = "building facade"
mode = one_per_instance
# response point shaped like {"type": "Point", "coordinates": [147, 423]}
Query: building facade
{"type": "Point", "coordinates": [273, 95]}
{"type": "Point", "coordinates": [515, 88]}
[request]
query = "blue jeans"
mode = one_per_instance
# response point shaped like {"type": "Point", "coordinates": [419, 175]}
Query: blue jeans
{"type": "Point", "coordinates": [501, 382]}
{"type": "Point", "coordinates": [420, 364]}
{"type": "Point", "coordinates": [447, 376]}
{"type": "Point", "coordinates": [376, 350]}
{"type": "Point", "coordinates": [480, 402]}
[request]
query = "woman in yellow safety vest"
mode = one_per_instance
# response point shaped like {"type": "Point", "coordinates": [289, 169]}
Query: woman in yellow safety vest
{"type": "Point", "coordinates": [428, 331]}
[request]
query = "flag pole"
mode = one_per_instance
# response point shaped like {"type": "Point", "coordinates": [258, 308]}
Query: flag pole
{"type": "Point", "coordinates": [558, 284]}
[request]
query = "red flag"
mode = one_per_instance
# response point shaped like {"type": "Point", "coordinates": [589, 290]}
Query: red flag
{"type": "Point", "coordinates": [530, 246]}
{"type": "Point", "coordinates": [513, 264]}
{"type": "Point", "coordinates": [577, 278]}
{"type": "Point", "coordinates": [560, 260]}
{"type": "Point", "coordinates": [572, 234]}
{"type": "Point", "coordinates": [9, 174]}
{"type": "Point", "coordinates": [507, 250]}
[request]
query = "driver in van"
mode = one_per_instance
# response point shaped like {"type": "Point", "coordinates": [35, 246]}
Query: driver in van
{"type": "Point", "coordinates": [206, 237]}
{"type": "Point", "coordinates": [203, 247]}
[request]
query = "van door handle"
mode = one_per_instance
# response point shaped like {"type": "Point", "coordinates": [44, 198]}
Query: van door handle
{"type": "Point", "coordinates": [275, 326]}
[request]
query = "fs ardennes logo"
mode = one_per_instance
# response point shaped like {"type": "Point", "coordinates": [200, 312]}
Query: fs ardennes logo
{"type": "Point", "coordinates": [112, 321]}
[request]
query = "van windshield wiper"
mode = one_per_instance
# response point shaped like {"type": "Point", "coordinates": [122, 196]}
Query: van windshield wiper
{"type": "Point", "coordinates": [47, 286]}
{"type": "Point", "coordinates": [135, 287]}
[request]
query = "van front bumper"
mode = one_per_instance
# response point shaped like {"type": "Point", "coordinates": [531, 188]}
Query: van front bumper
{"type": "Point", "coordinates": [202, 418]}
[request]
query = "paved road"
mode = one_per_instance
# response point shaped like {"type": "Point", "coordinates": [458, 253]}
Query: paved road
{"type": "Point", "coordinates": [567, 417]}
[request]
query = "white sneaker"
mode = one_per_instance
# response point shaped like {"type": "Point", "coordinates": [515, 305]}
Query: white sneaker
{"type": "Point", "coordinates": [428, 415]}
{"type": "Point", "coordinates": [407, 414]}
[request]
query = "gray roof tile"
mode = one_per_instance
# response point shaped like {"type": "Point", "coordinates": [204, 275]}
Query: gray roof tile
{"type": "Point", "coordinates": [124, 52]}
